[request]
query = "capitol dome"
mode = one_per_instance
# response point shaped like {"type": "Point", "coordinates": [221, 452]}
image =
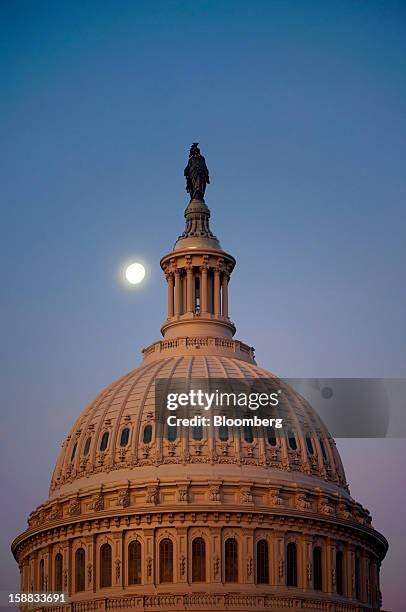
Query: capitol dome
{"type": "Point", "coordinates": [237, 519]}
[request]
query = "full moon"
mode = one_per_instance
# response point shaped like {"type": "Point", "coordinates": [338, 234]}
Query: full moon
{"type": "Point", "coordinates": [135, 273]}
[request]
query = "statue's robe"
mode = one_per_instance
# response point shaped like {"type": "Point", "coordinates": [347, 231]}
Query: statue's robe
{"type": "Point", "coordinates": [197, 177]}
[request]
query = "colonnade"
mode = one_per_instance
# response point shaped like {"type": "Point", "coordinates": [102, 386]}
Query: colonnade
{"type": "Point", "coordinates": [197, 290]}
{"type": "Point", "coordinates": [260, 557]}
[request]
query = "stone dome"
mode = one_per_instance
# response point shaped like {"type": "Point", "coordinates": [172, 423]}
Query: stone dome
{"type": "Point", "coordinates": [128, 405]}
{"type": "Point", "coordinates": [204, 522]}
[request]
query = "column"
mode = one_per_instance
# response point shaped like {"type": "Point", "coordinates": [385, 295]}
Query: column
{"type": "Point", "coordinates": [170, 295]}
{"type": "Point", "coordinates": [203, 289]}
{"type": "Point", "coordinates": [215, 556]}
{"type": "Point", "coordinates": [329, 581]}
{"type": "Point", "coordinates": [364, 577]}
{"type": "Point", "coordinates": [350, 571]}
{"type": "Point", "coordinates": [217, 297]}
{"type": "Point", "coordinates": [278, 564]}
{"type": "Point", "coordinates": [248, 556]}
{"type": "Point", "coordinates": [117, 559]}
{"type": "Point", "coordinates": [189, 289]}
{"type": "Point", "coordinates": [151, 564]}
{"type": "Point", "coordinates": [177, 292]}
{"type": "Point", "coordinates": [307, 564]}
{"type": "Point", "coordinates": [225, 295]}
{"type": "Point", "coordinates": [181, 558]}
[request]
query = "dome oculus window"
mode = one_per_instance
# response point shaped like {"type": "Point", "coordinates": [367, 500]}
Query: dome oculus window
{"type": "Point", "coordinates": [73, 451]}
{"type": "Point", "coordinates": [171, 433]}
{"type": "Point", "coordinates": [104, 441]}
{"type": "Point", "coordinates": [309, 444]}
{"type": "Point", "coordinates": [323, 448]}
{"type": "Point", "coordinates": [270, 434]}
{"type": "Point", "coordinates": [87, 446]}
{"type": "Point", "coordinates": [223, 433]}
{"type": "Point", "coordinates": [292, 440]}
{"type": "Point", "coordinates": [147, 435]}
{"type": "Point", "coordinates": [197, 432]}
{"type": "Point", "coordinates": [248, 434]}
{"type": "Point", "coordinates": [125, 435]}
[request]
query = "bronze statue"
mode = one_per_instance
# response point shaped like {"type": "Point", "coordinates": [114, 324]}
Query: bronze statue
{"type": "Point", "coordinates": [196, 173]}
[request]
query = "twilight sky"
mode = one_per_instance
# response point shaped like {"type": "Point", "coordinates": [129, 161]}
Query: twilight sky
{"type": "Point", "coordinates": [300, 111]}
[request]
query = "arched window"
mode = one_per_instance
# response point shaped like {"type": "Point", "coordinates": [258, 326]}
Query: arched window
{"type": "Point", "coordinates": [292, 440]}
{"type": "Point", "coordinates": [105, 566]}
{"type": "Point", "coordinates": [125, 434]}
{"type": "Point", "coordinates": [339, 572]}
{"type": "Point", "coordinates": [317, 569]}
{"type": "Point", "coordinates": [80, 570]}
{"type": "Point", "coordinates": [197, 432]}
{"type": "Point", "coordinates": [262, 562]}
{"type": "Point", "coordinates": [165, 560]}
{"type": "Point", "coordinates": [231, 560]}
{"type": "Point", "coordinates": [270, 434]}
{"type": "Point", "coordinates": [357, 578]}
{"type": "Point", "coordinates": [198, 560]}
{"type": "Point", "coordinates": [171, 433]}
{"type": "Point", "coordinates": [104, 441]}
{"type": "Point", "coordinates": [248, 434]}
{"type": "Point", "coordinates": [291, 564]}
{"type": "Point", "coordinates": [42, 575]}
{"type": "Point", "coordinates": [223, 433]}
{"type": "Point", "coordinates": [87, 446]}
{"type": "Point", "coordinates": [134, 562]}
{"type": "Point", "coordinates": [323, 448]}
{"type": "Point", "coordinates": [73, 451]}
{"type": "Point", "coordinates": [147, 435]}
{"type": "Point", "coordinates": [58, 572]}
{"type": "Point", "coordinates": [309, 444]}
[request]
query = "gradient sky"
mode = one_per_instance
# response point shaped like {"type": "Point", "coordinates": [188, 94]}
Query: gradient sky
{"type": "Point", "coordinates": [300, 111]}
